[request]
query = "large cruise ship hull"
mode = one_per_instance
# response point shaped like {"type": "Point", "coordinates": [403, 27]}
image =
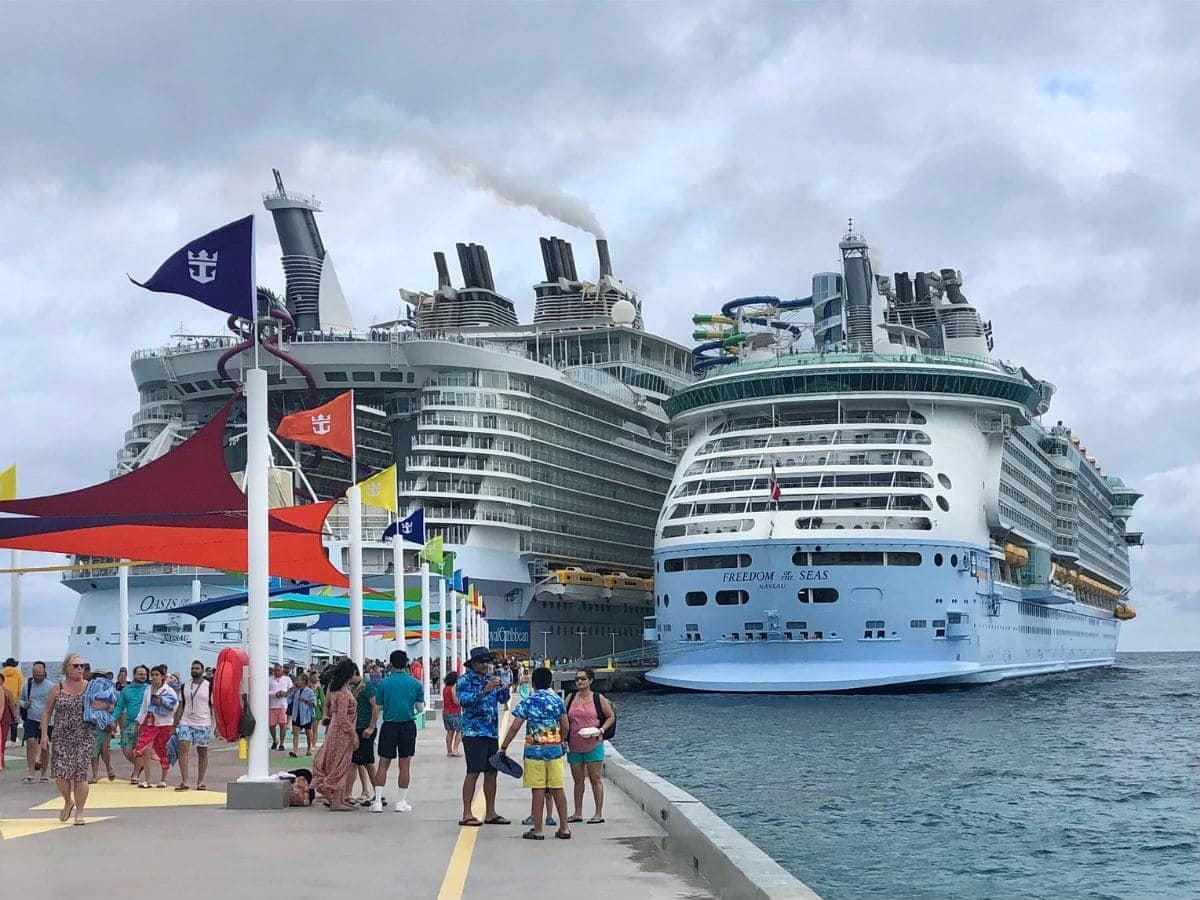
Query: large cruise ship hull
{"type": "Point", "coordinates": [889, 626]}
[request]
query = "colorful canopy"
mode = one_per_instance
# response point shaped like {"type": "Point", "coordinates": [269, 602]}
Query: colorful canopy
{"type": "Point", "coordinates": [182, 508]}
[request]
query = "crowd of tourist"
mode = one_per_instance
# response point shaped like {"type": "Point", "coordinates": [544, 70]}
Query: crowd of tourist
{"type": "Point", "coordinates": [365, 722]}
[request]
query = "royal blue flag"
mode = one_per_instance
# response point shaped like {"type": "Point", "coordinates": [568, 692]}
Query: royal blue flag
{"type": "Point", "coordinates": [216, 268]}
{"type": "Point", "coordinates": [410, 528]}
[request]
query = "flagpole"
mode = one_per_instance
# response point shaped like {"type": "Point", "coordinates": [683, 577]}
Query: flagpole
{"type": "Point", "coordinates": [195, 622]}
{"type": "Point", "coordinates": [398, 587]}
{"type": "Point", "coordinates": [14, 607]}
{"type": "Point", "coordinates": [442, 624]}
{"type": "Point", "coordinates": [122, 615]}
{"type": "Point", "coordinates": [258, 563]}
{"type": "Point", "coordinates": [425, 629]}
{"type": "Point", "coordinates": [354, 495]}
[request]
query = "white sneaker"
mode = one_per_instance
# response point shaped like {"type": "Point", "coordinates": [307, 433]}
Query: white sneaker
{"type": "Point", "coordinates": [377, 804]}
{"type": "Point", "coordinates": [401, 806]}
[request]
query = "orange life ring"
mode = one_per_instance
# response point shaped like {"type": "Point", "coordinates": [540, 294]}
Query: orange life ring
{"type": "Point", "coordinates": [227, 691]}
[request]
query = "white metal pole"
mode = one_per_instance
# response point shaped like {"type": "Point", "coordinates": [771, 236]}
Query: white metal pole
{"type": "Point", "coordinates": [442, 625]}
{"type": "Point", "coordinates": [196, 621]}
{"type": "Point", "coordinates": [279, 641]}
{"type": "Point", "coordinates": [258, 616]}
{"type": "Point", "coordinates": [14, 608]}
{"type": "Point", "coordinates": [308, 633]}
{"type": "Point", "coordinates": [354, 496]}
{"type": "Point", "coordinates": [123, 615]}
{"type": "Point", "coordinates": [398, 588]}
{"type": "Point", "coordinates": [460, 634]}
{"type": "Point", "coordinates": [425, 629]}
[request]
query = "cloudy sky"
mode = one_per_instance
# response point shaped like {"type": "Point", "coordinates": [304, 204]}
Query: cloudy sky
{"type": "Point", "coordinates": [1047, 150]}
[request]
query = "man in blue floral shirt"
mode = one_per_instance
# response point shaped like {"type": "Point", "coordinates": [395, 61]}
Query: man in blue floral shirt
{"type": "Point", "coordinates": [479, 695]}
{"type": "Point", "coordinates": [545, 719]}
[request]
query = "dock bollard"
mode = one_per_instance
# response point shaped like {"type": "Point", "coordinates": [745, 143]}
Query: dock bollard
{"type": "Point", "coordinates": [241, 748]}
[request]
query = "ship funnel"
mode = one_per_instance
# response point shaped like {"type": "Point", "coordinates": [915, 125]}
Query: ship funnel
{"type": "Point", "coordinates": [605, 261]}
{"type": "Point", "coordinates": [443, 271]}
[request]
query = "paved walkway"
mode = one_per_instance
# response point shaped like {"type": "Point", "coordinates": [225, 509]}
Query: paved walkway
{"type": "Point", "coordinates": [195, 846]}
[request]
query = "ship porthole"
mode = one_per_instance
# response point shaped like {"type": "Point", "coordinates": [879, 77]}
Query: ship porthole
{"type": "Point", "coordinates": [944, 480]}
{"type": "Point", "coordinates": [943, 503]}
{"type": "Point", "coordinates": [937, 559]}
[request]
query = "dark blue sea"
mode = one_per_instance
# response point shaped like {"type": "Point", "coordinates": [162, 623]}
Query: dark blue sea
{"type": "Point", "coordinates": [1078, 785]}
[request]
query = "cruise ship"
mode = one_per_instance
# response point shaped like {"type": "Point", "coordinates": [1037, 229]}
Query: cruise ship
{"type": "Point", "coordinates": [539, 451]}
{"type": "Point", "coordinates": [868, 498]}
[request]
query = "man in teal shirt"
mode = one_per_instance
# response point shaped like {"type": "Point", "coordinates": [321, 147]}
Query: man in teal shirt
{"type": "Point", "coordinates": [400, 696]}
{"type": "Point", "coordinates": [129, 707]}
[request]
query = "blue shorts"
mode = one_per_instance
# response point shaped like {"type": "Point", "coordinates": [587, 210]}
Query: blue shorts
{"type": "Point", "coordinates": [452, 721]}
{"type": "Point", "coordinates": [194, 735]}
{"type": "Point", "coordinates": [596, 754]}
{"type": "Point", "coordinates": [33, 730]}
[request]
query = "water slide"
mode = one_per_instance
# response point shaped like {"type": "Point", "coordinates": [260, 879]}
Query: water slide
{"type": "Point", "coordinates": [726, 341]}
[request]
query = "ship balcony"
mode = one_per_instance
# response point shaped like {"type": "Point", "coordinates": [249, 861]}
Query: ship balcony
{"type": "Point", "coordinates": [424, 427]}
{"type": "Point", "coordinates": [502, 518]}
{"type": "Point", "coordinates": [458, 491]}
{"type": "Point", "coordinates": [425, 442]}
{"type": "Point", "coordinates": [415, 466]}
{"type": "Point", "coordinates": [1135, 538]}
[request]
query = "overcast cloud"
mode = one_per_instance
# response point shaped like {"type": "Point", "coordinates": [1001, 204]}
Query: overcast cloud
{"type": "Point", "coordinates": [1047, 150]}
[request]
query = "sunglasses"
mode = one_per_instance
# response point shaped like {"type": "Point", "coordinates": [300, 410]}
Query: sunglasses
{"type": "Point", "coordinates": [78, 665]}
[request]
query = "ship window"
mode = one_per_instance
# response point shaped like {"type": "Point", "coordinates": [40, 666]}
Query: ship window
{"type": "Point", "coordinates": [159, 629]}
{"type": "Point", "coordinates": [692, 563]}
{"type": "Point", "coordinates": [335, 376]}
{"type": "Point", "coordinates": [91, 629]}
{"type": "Point", "coordinates": [79, 629]}
{"type": "Point", "coordinates": [674, 531]}
{"type": "Point", "coordinates": [939, 623]}
{"type": "Point", "coordinates": [187, 388]}
{"type": "Point", "coordinates": [817, 595]}
{"type": "Point", "coordinates": [204, 385]}
{"type": "Point", "coordinates": [691, 627]}
{"type": "Point", "coordinates": [752, 626]}
{"type": "Point", "coordinates": [944, 480]}
{"type": "Point", "coordinates": [874, 623]}
{"type": "Point", "coordinates": [943, 503]}
{"type": "Point", "coordinates": [695, 598]}
{"type": "Point", "coordinates": [954, 559]}
{"type": "Point", "coordinates": [409, 378]}
{"type": "Point", "coordinates": [391, 376]}
{"type": "Point", "coordinates": [847, 558]}
{"type": "Point", "coordinates": [363, 376]}
{"type": "Point", "coordinates": [904, 559]}
{"type": "Point", "coordinates": [937, 559]}
{"type": "Point", "coordinates": [798, 626]}
{"type": "Point", "coordinates": [918, 623]}
{"type": "Point", "coordinates": [732, 598]}
{"type": "Point", "coordinates": [666, 599]}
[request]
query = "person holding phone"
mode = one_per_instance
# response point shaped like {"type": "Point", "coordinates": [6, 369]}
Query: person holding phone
{"type": "Point", "coordinates": [480, 692]}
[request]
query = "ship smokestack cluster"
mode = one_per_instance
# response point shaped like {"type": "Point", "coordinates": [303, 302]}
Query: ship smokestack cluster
{"type": "Point", "coordinates": [476, 269]}
{"type": "Point", "coordinates": [559, 259]}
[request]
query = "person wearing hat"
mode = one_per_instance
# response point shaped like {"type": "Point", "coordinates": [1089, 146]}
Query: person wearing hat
{"type": "Point", "coordinates": [479, 695]}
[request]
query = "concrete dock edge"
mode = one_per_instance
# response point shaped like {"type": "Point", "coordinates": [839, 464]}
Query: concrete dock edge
{"type": "Point", "coordinates": [734, 867]}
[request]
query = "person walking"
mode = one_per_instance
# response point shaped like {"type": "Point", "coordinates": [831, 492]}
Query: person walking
{"type": "Point", "coordinates": [278, 688]}
{"type": "Point", "coordinates": [590, 715]}
{"type": "Point", "coordinates": [32, 703]}
{"type": "Point", "coordinates": [73, 739]}
{"type": "Point", "coordinates": [451, 716]}
{"type": "Point", "coordinates": [101, 687]}
{"type": "Point", "coordinates": [331, 766]}
{"type": "Point", "coordinates": [156, 722]}
{"type": "Point", "coordinates": [8, 716]}
{"type": "Point", "coordinates": [129, 708]}
{"type": "Point", "coordinates": [194, 726]}
{"type": "Point", "coordinates": [13, 680]}
{"type": "Point", "coordinates": [363, 759]}
{"type": "Point", "coordinates": [302, 705]}
{"type": "Point", "coordinates": [479, 694]}
{"type": "Point", "coordinates": [400, 696]}
{"type": "Point", "coordinates": [545, 719]}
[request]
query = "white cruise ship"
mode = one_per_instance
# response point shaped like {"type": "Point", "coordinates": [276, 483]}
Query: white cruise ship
{"type": "Point", "coordinates": [868, 498]}
{"type": "Point", "coordinates": [538, 451]}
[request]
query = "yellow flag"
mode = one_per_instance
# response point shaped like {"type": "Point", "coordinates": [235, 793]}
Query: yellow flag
{"type": "Point", "coordinates": [380, 489]}
{"type": "Point", "coordinates": [8, 483]}
{"type": "Point", "coordinates": [432, 550]}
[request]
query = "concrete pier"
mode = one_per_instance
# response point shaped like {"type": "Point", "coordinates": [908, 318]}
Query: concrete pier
{"type": "Point", "coordinates": [200, 848]}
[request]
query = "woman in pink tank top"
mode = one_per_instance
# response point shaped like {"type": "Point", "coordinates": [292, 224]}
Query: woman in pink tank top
{"type": "Point", "coordinates": [586, 754]}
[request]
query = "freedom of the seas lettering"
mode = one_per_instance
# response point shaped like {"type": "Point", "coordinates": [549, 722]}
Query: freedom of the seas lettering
{"type": "Point", "coordinates": [767, 576]}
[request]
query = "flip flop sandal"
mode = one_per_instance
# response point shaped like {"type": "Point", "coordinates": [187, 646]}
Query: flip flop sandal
{"type": "Point", "coordinates": [79, 822]}
{"type": "Point", "coordinates": [202, 787]}
{"type": "Point", "coordinates": [573, 819]}
{"type": "Point", "coordinates": [184, 787]}
{"type": "Point", "coordinates": [497, 820]}
{"type": "Point", "coordinates": [66, 813]}
{"type": "Point", "coordinates": [28, 779]}
{"type": "Point", "coordinates": [563, 835]}
{"type": "Point", "coordinates": [470, 823]}
{"type": "Point", "coordinates": [594, 821]}
{"type": "Point", "coordinates": [112, 776]}
{"type": "Point", "coordinates": [530, 835]}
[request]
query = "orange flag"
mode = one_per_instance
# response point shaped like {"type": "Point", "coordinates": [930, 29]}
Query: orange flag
{"type": "Point", "coordinates": [330, 426]}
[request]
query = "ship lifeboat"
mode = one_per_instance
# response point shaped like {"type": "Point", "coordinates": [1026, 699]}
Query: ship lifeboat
{"type": "Point", "coordinates": [648, 585]}
{"type": "Point", "coordinates": [619, 581]}
{"type": "Point", "coordinates": [1124, 612]}
{"type": "Point", "coordinates": [576, 575]}
{"type": "Point", "coordinates": [1016, 556]}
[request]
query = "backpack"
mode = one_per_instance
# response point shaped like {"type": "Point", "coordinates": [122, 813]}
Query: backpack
{"type": "Point", "coordinates": [611, 731]}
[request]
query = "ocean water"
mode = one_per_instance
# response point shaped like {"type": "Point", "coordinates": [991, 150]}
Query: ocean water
{"type": "Point", "coordinates": [1078, 785]}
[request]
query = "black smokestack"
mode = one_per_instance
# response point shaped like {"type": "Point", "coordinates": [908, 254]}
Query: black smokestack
{"type": "Point", "coordinates": [548, 259]}
{"type": "Point", "coordinates": [569, 259]}
{"type": "Point", "coordinates": [484, 266]}
{"type": "Point", "coordinates": [560, 258]}
{"type": "Point", "coordinates": [466, 262]}
{"type": "Point", "coordinates": [439, 260]}
{"type": "Point", "coordinates": [605, 261]}
{"type": "Point", "coordinates": [904, 290]}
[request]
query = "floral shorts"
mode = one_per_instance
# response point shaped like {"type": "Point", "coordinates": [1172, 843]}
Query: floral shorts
{"type": "Point", "coordinates": [195, 735]}
{"type": "Point", "coordinates": [452, 721]}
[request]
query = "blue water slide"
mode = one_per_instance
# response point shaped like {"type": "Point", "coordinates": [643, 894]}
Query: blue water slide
{"type": "Point", "coordinates": [776, 323]}
{"type": "Point", "coordinates": [738, 303]}
{"type": "Point", "coordinates": [798, 303]}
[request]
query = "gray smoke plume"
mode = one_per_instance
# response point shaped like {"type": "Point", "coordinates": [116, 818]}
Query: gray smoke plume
{"type": "Point", "coordinates": [515, 191]}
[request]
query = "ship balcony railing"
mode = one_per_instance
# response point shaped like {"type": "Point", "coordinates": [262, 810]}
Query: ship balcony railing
{"type": "Point", "coordinates": [446, 487]}
{"type": "Point", "coordinates": [512, 520]}
{"type": "Point", "coordinates": [188, 345]}
{"type": "Point", "coordinates": [816, 358]}
{"type": "Point", "coordinates": [156, 415]}
{"type": "Point", "coordinates": [414, 465]}
{"type": "Point", "coordinates": [420, 443]}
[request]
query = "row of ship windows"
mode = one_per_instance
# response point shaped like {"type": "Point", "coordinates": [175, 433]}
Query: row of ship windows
{"type": "Point", "coordinates": [809, 415]}
{"type": "Point", "coordinates": [874, 436]}
{"type": "Point", "coordinates": [786, 483]}
{"type": "Point", "coordinates": [874, 629]}
{"type": "Point", "coordinates": [906, 502]}
{"type": "Point", "coordinates": [816, 523]}
{"type": "Point", "coordinates": [804, 559]}
{"type": "Point", "coordinates": [832, 458]}
{"type": "Point", "coordinates": [736, 598]}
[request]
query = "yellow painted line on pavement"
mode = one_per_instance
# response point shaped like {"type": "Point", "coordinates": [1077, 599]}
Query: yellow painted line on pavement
{"type": "Point", "coordinates": [454, 883]}
{"type": "Point", "coordinates": [123, 795]}
{"type": "Point", "coordinates": [16, 828]}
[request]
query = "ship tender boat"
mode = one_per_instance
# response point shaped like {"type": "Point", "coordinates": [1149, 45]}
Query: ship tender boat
{"type": "Point", "coordinates": [868, 498]}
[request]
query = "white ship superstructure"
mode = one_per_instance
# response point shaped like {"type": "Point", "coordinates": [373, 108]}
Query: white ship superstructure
{"type": "Point", "coordinates": [539, 451]}
{"type": "Point", "coordinates": [871, 499]}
